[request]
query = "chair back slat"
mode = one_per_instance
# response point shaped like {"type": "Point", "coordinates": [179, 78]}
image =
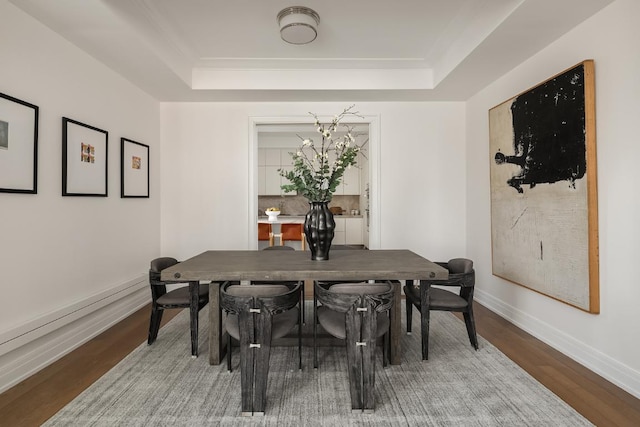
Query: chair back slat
{"type": "Point", "coordinates": [342, 297]}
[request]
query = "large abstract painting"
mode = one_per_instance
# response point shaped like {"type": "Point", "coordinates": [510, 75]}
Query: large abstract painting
{"type": "Point", "coordinates": [544, 215]}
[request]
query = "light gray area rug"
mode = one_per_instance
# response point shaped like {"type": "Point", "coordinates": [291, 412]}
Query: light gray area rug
{"type": "Point", "coordinates": [161, 385]}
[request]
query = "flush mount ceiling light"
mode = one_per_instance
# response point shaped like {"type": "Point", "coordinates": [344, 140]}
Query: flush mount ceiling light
{"type": "Point", "coordinates": [298, 24]}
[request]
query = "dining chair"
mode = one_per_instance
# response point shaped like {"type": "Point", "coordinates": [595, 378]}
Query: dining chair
{"type": "Point", "coordinates": [255, 316]}
{"type": "Point", "coordinates": [426, 298]}
{"type": "Point", "coordinates": [177, 298]}
{"type": "Point", "coordinates": [268, 282]}
{"type": "Point", "coordinates": [359, 314]}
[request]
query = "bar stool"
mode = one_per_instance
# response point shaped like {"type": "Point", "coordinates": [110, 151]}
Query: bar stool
{"type": "Point", "coordinates": [264, 233]}
{"type": "Point", "coordinates": [293, 232]}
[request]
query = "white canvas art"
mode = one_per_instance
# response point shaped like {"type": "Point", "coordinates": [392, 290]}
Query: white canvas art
{"type": "Point", "coordinates": [543, 190]}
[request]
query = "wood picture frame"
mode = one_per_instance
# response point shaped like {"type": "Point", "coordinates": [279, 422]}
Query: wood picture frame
{"type": "Point", "coordinates": [85, 159]}
{"type": "Point", "coordinates": [18, 146]}
{"type": "Point", "coordinates": [544, 210]}
{"type": "Point", "coordinates": [134, 169]}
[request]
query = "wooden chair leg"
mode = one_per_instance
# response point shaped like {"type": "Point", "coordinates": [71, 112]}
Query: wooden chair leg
{"type": "Point", "coordinates": [354, 362]}
{"type": "Point", "coordinates": [154, 324]}
{"type": "Point", "coordinates": [385, 349]}
{"type": "Point", "coordinates": [302, 315]}
{"type": "Point", "coordinates": [300, 320]}
{"type": "Point", "coordinates": [409, 312]}
{"type": "Point", "coordinates": [261, 354]}
{"type": "Point", "coordinates": [228, 352]}
{"type": "Point", "coordinates": [247, 362]}
{"type": "Point", "coordinates": [315, 331]}
{"type": "Point", "coordinates": [471, 327]}
{"type": "Point", "coordinates": [354, 359]}
{"type": "Point", "coordinates": [369, 334]}
{"type": "Point", "coordinates": [368, 375]}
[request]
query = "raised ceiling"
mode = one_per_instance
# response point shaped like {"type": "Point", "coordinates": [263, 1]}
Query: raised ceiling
{"type": "Point", "coordinates": [366, 50]}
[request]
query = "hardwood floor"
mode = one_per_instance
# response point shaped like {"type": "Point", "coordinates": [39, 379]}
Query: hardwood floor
{"type": "Point", "coordinates": [39, 397]}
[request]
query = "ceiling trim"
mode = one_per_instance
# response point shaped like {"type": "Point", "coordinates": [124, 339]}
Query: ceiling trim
{"type": "Point", "coordinates": [205, 78]}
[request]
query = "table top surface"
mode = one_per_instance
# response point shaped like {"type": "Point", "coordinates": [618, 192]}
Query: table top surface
{"type": "Point", "coordinates": [297, 265]}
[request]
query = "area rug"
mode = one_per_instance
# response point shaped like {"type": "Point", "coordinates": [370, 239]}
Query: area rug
{"type": "Point", "coordinates": [161, 385]}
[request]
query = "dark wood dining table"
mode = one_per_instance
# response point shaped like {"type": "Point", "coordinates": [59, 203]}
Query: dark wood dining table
{"type": "Point", "coordinates": [219, 266]}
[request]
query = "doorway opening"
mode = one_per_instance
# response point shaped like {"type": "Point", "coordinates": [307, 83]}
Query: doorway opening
{"type": "Point", "coordinates": [272, 139]}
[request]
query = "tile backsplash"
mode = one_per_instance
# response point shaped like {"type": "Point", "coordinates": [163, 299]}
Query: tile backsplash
{"type": "Point", "coordinates": [298, 205]}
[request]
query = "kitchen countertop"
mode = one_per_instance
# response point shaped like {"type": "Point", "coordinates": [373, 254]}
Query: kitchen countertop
{"type": "Point", "coordinates": [296, 218]}
{"type": "Point", "coordinates": [282, 220]}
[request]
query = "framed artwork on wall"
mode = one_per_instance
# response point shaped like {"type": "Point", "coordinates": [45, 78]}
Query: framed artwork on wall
{"type": "Point", "coordinates": [134, 169]}
{"type": "Point", "coordinates": [18, 146]}
{"type": "Point", "coordinates": [544, 210]}
{"type": "Point", "coordinates": [84, 159]}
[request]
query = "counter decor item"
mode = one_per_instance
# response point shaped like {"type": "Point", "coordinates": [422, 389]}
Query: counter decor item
{"type": "Point", "coordinates": [273, 213]}
{"type": "Point", "coordinates": [317, 170]}
{"type": "Point", "coordinates": [336, 210]}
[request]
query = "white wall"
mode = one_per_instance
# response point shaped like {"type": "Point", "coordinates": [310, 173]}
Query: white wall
{"type": "Point", "coordinates": [205, 176]}
{"type": "Point", "coordinates": [61, 256]}
{"type": "Point", "coordinates": [607, 343]}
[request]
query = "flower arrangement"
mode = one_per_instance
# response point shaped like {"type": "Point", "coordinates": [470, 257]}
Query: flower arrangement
{"type": "Point", "coordinates": [319, 167]}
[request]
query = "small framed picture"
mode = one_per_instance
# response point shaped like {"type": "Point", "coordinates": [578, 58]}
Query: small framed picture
{"type": "Point", "coordinates": [18, 146]}
{"type": "Point", "coordinates": [84, 159]}
{"type": "Point", "coordinates": [134, 169]}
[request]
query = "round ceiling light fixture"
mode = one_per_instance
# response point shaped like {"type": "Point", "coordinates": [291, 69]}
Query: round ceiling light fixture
{"type": "Point", "coordinates": [298, 24]}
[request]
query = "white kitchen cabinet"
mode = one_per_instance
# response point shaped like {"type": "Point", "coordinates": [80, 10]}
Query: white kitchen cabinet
{"type": "Point", "coordinates": [262, 180]}
{"type": "Point", "coordinates": [272, 180]}
{"type": "Point", "coordinates": [270, 160]}
{"type": "Point", "coordinates": [353, 231]}
{"type": "Point", "coordinates": [285, 157]}
{"type": "Point", "coordinates": [350, 184]}
{"type": "Point", "coordinates": [348, 231]}
{"type": "Point", "coordinates": [272, 157]}
{"type": "Point", "coordinates": [350, 181]}
{"type": "Point", "coordinates": [339, 236]}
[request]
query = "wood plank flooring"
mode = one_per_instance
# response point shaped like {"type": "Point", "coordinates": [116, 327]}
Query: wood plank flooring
{"type": "Point", "coordinates": [39, 397]}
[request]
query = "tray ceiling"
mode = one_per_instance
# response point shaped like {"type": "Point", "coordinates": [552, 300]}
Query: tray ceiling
{"type": "Point", "coordinates": [366, 50]}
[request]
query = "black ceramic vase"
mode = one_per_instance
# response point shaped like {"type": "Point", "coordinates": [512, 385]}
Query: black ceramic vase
{"type": "Point", "coordinates": [319, 227]}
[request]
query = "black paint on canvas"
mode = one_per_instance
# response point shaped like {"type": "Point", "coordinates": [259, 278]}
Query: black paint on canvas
{"type": "Point", "coordinates": [549, 132]}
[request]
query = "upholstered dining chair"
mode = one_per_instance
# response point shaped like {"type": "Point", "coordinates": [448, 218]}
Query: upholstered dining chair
{"type": "Point", "coordinates": [255, 316]}
{"type": "Point", "coordinates": [176, 298]}
{"type": "Point", "coordinates": [359, 314]}
{"type": "Point", "coordinates": [267, 282]}
{"type": "Point", "coordinates": [279, 248]}
{"type": "Point", "coordinates": [426, 297]}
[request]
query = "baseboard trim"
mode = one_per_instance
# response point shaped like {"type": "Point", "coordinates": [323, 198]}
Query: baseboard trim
{"type": "Point", "coordinates": [612, 370]}
{"type": "Point", "coordinates": [30, 347]}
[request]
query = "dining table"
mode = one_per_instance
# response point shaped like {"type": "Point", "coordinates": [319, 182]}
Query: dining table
{"type": "Point", "coordinates": [219, 266]}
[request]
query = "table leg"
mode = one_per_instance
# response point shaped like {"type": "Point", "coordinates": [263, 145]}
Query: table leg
{"type": "Point", "coordinates": [395, 356]}
{"type": "Point", "coordinates": [217, 338]}
{"type": "Point", "coordinates": [194, 289]}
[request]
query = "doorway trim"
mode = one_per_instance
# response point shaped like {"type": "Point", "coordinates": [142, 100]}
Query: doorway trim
{"type": "Point", "coordinates": [374, 170]}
